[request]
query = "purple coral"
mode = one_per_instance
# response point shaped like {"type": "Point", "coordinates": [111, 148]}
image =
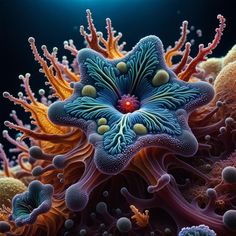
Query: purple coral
{"type": "Point", "coordinates": [28, 205]}
{"type": "Point", "coordinates": [201, 230]}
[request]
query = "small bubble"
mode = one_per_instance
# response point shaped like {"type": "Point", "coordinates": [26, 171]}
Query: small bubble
{"type": "Point", "coordinates": [69, 223]}
{"type": "Point", "coordinates": [83, 232]}
{"type": "Point", "coordinates": [105, 194]}
{"type": "Point", "coordinates": [41, 92]}
{"type": "Point", "coordinates": [199, 33]}
{"type": "Point", "coordinates": [102, 226]}
{"type": "Point", "coordinates": [192, 41]}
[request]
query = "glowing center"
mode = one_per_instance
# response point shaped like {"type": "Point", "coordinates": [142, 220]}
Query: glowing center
{"type": "Point", "coordinates": [127, 104]}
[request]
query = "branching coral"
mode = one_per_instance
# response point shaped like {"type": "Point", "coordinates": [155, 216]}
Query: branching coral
{"type": "Point", "coordinates": [109, 140]}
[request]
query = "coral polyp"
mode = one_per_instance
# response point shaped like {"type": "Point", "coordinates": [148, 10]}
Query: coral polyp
{"type": "Point", "coordinates": [28, 205]}
{"type": "Point", "coordinates": [123, 142]}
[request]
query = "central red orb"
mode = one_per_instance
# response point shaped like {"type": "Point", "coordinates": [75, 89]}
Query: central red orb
{"type": "Point", "coordinates": [128, 104]}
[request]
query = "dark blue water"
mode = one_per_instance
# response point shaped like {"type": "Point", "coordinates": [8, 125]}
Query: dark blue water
{"type": "Point", "coordinates": [53, 21]}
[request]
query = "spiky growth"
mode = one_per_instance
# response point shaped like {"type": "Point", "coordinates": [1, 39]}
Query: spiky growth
{"type": "Point", "coordinates": [128, 104]}
{"type": "Point", "coordinates": [141, 219]}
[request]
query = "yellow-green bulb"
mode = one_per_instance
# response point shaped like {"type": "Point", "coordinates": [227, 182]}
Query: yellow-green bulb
{"type": "Point", "coordinates": [140, 129]}
{"type": "Point", "coordinates": [122, 67]}
{"type": "Point", "coordinates": [9, 187]}
{"type": "Point", "coordinates": [89, 90]}
{"type": "Point", "coordinates": [161, 77]}
{"type": "Point", "coordinates": [102, 121]}
{"type": "Point", "coordinates": [103, 129]}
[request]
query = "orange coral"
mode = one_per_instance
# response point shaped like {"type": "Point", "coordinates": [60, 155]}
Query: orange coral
{"type": "Point", "coordinates": [111, 48]}
{"type": "Point", "coordinates": [185, 70]}
{"type": "Point", "coordinates": [49, 134]}
{"type": "Point", "coordinates": [142, 219]}
{"type": "Point", "coordinates": [176, 50]}
{"type": "Point", "coordinates": [61, 86]}
{"type": "Point", "coordinates": [203, 52]}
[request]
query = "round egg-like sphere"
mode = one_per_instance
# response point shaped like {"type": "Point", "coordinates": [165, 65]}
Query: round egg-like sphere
{"type": "Point", "coordinates": [140, 129]}
{"type": "Point", "coordinates": [161, 77]}
{"type": "Point", "coordinates": [4, 227]}
{"type": "Point", "coordinates": [229, 219]}
{"type": "Point", "coordinates": [102, 121]}
{"type": "Point", "coordinates": [9, 187]}
{"type": "Point", "coordinates": [229, 174]}
{"type": "Point", "coordinates": [89, 90]}
{"type": "Point", "coordinates": [124, 224]}
{"type": "Point", "coordinates": [103, 129]}
{"type": "Point", "coordinates": [122, 67]}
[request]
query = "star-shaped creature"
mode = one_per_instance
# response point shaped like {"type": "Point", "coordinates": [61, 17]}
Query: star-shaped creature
{"type": "Point", "coordinates": [131, 103]}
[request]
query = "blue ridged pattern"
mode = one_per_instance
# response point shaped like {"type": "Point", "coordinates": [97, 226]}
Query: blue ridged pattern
{"type": "Point", "coordinates": [158, 104]}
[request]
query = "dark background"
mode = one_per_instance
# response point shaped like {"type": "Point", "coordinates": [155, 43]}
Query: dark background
{"type": "Point", "coordinates": [53, 21]}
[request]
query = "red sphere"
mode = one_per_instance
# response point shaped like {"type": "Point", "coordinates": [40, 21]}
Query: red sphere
{"type": "Point", "coordinates": [128, 104]}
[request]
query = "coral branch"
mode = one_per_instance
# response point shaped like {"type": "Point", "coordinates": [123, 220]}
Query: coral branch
{"type": "Point", "coordinates": [203, 52]}
{"type": "Point", "coordinates": [178, 45]}
{"type": "Point", "coordinates": [142, 219]}
{"type": "Point", "coordinates": [184, 59]}
{"type": "Point", "coordinates": [112, 50]}
{"type": "Point", "coordinates": [5, 162]}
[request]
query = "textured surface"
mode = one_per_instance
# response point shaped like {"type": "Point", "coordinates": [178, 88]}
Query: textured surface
{"type": "Point", "coordinates": [28, 205]}
{"type": "Point", "coordinates": [159, 105]}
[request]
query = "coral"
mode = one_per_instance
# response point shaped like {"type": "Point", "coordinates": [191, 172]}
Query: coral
{"type": "Point", "coordinates": [29, 205]}
{"type": "Point", "coordinates": [212, 66]}
{"type": "Point", "coordinates": [142, 219]}
{"type": "Point", "coordinates": [230, 56]}
{"type": "Point", "coordinates": [127, 99]}
{"type": "Point", "coordinates": [224, 86]}
{"type": "Point", "coordinates": [111, 48]}
{"type": "Point", "coordinates": [105, 151]}
{"type": "Point", "coordinates": [9, 187]}
{"type": "Point", "coordinates": [197, 230]}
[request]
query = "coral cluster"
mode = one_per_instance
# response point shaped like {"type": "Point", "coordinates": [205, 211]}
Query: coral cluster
{"type": "Point", "coordinates": [124, 143]}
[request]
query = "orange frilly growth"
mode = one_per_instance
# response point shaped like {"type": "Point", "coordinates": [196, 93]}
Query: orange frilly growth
{"type": "Point", "coordinates": [54, 73]}
{"type": "Point", "coordinates": [188, 66]}
{"type": "Point", "coordinates": [141, 219]}
{"type": "Point", "coordinates": [176, 50]}
{"type": "Point", "coordinates": [110, 48]}
{"type": "Point", "coordinates": [47, 133]}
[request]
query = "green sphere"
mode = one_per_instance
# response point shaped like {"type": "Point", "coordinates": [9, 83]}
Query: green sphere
{"type": "Point", "coordinates": [102, 121]}
{"type": "Point", "coordinates": [140, 129]}
{"type": "Point", "coordinates": [122, 67]}
{"type": "Point", "coordinates": [161, 77]}
{"type": "Point", "coordinates": [103, 129]}
{"type": "Point", "coordinates": [89, 90]}
{"type": "Point", "coordinates": [9, 187]}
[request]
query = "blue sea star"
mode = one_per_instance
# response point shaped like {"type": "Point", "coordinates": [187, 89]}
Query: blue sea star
{"type": "Point", "coordinates": [131, 103]}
